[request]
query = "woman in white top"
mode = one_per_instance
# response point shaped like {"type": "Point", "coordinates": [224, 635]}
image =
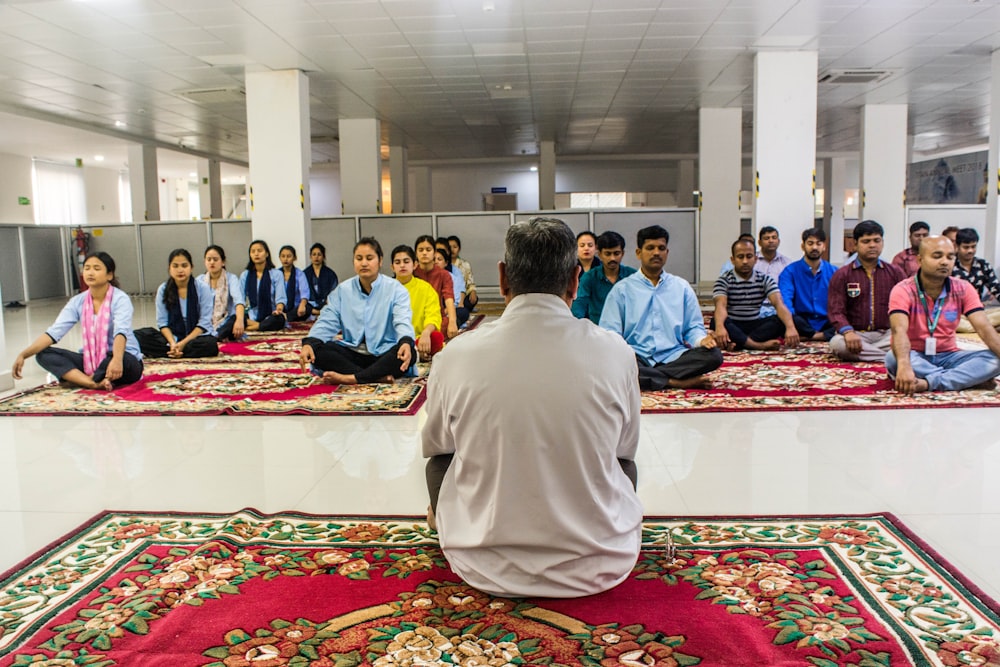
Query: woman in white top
{"type": "Point", "coordinates": [228, 307]}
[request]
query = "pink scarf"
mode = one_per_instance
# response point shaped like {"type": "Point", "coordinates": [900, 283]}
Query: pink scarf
{"type": "Point", "coordinates": [95, 331]}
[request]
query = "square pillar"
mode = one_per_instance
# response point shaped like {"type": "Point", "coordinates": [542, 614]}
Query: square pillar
{"type": "Point", "coordinates": [547, 176]}
{"type": "Point", "coordinates": [883, 172]}
{"type": "Point", "coordinates": [720, 158]}
{"type": "Point", "coordinates": [398, 179]}
{"type": "Point", "coordinates": [144, 182]}
{"type": "Point", "coordinates": [360, 166]}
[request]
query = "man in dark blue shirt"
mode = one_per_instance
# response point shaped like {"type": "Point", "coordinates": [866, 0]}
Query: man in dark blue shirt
{"type": "Point", "coordinates": [805, 285]}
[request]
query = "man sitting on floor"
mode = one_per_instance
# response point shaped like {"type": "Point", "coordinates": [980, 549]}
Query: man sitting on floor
{"type": "Point", "coordinates": [738, 294]}
{"type": "Point", "coordinates": [978, 273]}
{"type": "Point", "coordinates": [535, 494]}
{"type": "Point", "coordinates": [858, 300]}
{"type": "Point", "coordinates": [804, 286]}
{"type": "Point", "coordinates": [908, 259]}
{"type": "Point", "coordinates": [924, 312]}
{"type": "Point", "coordinates": [596, 283]}
{"type": "Point", "coordinates": [373, 313]}
{"type": "Point", "coordinates": [658, 316]}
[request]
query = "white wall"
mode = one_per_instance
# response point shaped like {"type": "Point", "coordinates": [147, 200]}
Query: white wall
{"type": "Point", "coordinates": [616, 176]}
{"type": "Point", "coordinates": [461, 187]}
{"type": "Point", "coordinates": [16, 182]}
{"type": "Point", "coordinates": [101, 185]}
{"type": "Point", "coordinates": [324, 190]}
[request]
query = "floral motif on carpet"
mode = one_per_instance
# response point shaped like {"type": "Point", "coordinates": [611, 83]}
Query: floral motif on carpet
{"type": "Point", "coordinates": [301, 590]}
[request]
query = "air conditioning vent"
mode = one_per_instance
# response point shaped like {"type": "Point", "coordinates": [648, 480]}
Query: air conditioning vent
{"type": "Point", "coordinates": [214, 95]}
{"type": "Point", "coordinates": [856, 76]}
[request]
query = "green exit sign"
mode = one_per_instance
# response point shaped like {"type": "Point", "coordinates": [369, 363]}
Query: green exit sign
{"type": "Point", "coordinates": [23, 201]}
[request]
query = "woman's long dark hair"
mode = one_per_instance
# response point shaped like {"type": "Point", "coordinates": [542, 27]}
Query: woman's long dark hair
{"type": "Point", "coordinates": [268, 264]}
{"type": "Point", "coordinates": [170, 293]}
{"type": "Point", "coordinates": [109, 264]}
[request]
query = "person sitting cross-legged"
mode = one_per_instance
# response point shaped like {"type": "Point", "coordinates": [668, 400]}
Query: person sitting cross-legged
{"type": "Point", "coordinates": [738, 294]}
{"type": "Point", "coordinates": [804, 286]}
{"type": "Point", "coordinates": [924, 312]}
{"type": "Point", "coordinates": [658, 316]}
{"type": "Point", "coordinates": [373, 313]}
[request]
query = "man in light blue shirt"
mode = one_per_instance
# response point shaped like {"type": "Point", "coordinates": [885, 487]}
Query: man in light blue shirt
{"type": "Point", "coordinates": [658, 316]}
{"type": "Point", "coordinates": [373, 313]}
{"type": "Point", "coordinates": [805, 285]}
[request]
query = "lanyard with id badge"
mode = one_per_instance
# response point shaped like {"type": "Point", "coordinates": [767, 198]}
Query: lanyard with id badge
{"type": "Point", "coordinates": [930, 343]}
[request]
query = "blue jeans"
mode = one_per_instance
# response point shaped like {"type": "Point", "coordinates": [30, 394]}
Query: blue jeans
{"type": "Point", "coordinates": [950, 371]}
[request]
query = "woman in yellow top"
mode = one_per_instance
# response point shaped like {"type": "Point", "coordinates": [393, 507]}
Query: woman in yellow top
{"type": "Point", "coordinates": [424, 302]}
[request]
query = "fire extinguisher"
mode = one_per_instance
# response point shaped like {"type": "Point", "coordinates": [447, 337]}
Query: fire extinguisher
{"type": "Point", "coordinates": [81, 240]}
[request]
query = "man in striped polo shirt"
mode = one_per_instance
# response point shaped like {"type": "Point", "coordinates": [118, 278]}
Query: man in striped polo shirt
{"type": "Point", "coordinates": [738, 294]}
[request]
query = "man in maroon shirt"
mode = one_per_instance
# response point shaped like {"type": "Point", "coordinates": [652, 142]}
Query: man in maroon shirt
{"type": "Point", "coordinates": [858, 299]}
{"type": "Point", "coordinates": [908, 259]}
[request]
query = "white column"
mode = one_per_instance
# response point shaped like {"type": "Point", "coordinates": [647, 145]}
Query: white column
{"type": "Point", "coordinates": [210, 188]}
{"type": "Point", "coordinates": [835, 197]}
{"type": "Point", "coordinates": [883, 172]}
{"type": "Point", "coordinates": [280, 156]}
{"type": "Point", "coordinates": [360, 166]}
{"type": "Point", "coordinates": [685, 183]}
{"type": "Point", "coordinates": [784, 142]}
{"type": "Point", "coordinates": [398, 178]}
{"type": "Point", "coordinates": [143, 182]}
{"type": "Point", "coordinates": [6, 379]}
{"type": "Point", "coordinates": [547, 176]}
{"type": "Point", "coordinates": [423, 200]}
{"type": "Point", "coordinates": [989, 247]}
{"type": "Point", "coordinates": [720, 141]}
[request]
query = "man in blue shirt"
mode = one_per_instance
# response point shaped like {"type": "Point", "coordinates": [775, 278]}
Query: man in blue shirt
{"type": "Point", "coordinates": [596, 283]}
{"type": "Point", "coordinates": [373, 313]}
{"type": "Point", "coordinates": [804, 287]}
{"type": "Point", "coordinates": [658, 316]}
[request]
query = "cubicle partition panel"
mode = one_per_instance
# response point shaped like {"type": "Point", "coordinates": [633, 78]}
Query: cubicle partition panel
{"type": "Point", "coordinates": [940, 216]}
{"type": "Point", "coordinates": [337, 235]}
{"type": "Point", "coordinates": [120, 242]}
{"type": "Point", "coordinates": [11, 267]}
{"type": "Point", "coordinates": [158, 239]}
{"type": "Point", "coordinates": [682, 224]}
{"type": "Point", "coordinates": [45, 262]}
{"type": "Point", "coordinates": [578, 221]}
{"type": "Point", "coordinates": [394, 230]}
{"type": "Point", "coordinates": [482, 237]}
{"type": "Point", "coordinates": [234, 237]}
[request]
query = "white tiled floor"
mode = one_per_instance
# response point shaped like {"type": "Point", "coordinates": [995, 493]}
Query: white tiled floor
{"type": "Point", "coordinates": [938, 470]}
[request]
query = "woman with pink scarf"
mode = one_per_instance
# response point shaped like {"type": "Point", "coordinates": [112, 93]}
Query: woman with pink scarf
{"type": "Point", "coordinates": [110, 357]}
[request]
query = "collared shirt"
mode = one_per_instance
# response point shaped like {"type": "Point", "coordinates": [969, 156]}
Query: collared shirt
{"type": "Point", "coordinates": [235, 291]}
{"type": "Point", "coordinates": [908, 261]}
{"type": "Point", "coordinates": [744, 296]}
{"type": "Point", "coordinates": [860, 301]}
{"type": "Point", "coordinates": [457, 283]}
{"type": "Point", "coordinates": [957, 298]}
{"type": "Point", "coordinates": [981, 276]}
{"type": "Point", "coordinates": [120, 325]}
{"type": "Point", "coordinates": [805, 293]}
{"type": "Point", "coordinates": [277, 293]}
{"type": "Point", "coordinates": [660, 322]}
{"type": "Point", "coordinates": [466, 269]}
{"type": "Point", "coordinates": [541, 507]}
{"type": "Point", "coordinates": [424, 303]}
{"type": "Point", "coordinates": [593, 291]}
{"type": "Point", "coordinates": [774, 267]}
{"type": "Point", "coordinates": [206, 302]}
{"type": "Point", "coordinates": [379, 319]}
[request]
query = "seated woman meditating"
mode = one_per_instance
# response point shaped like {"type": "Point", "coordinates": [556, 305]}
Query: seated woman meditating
{"type": "Point", "coordinates": [321, 278]}
{"type": "Point", "coordinates": [229, 312]}
{"type": "Point", "coordinates": [372, 312]}
{"type": "Point", "coordinates": [440, 280]}
{"type": "Point", "coordinates": [183, 315]}
{"type": "Point", "coordinates": [442, 260]}
{"type": "Point", "coordinates": [296, 286]}
{"type": "Point", "coordinates": [424, 302]}
{"type": "Point", "coordinates": [263, 286]}
{"type": "Point", "coordinates": [110, 357]}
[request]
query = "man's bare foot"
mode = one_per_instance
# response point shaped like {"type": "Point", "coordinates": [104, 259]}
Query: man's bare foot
{"type": "Point", "coordinates": [252, 326]}
{"type": "Point", "coordinates": [989, 385]}
{"type": "Point", "coordinates": [333, 377]}
{"type": "Point", "coordinates": [431, 520]}
{"type": "Point", "coordinates": [921, 385]}
{"type": "Point", "coordinates": [697, 382]}
{"type": "Point", "coordinates": [773, 344]}
{"type": "Point", "coordinates": [105, 385]}
{"type": "Point", "coordinates": [818, 336]}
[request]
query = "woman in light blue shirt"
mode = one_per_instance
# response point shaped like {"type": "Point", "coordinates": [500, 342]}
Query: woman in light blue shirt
{"type": "Point", "coordinates": [228, 304]}
{"type": "Point", "coordinates": [296, 285]}
{"type": "Point", "coordinates": [263, 285]}
{"type": "Point", "coordinates": [110, 357]}
{"type": "Point", "coordinates": [183, 315]}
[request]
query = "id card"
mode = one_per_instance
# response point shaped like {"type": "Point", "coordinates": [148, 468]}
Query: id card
{"type": "Point", "coordinates": [930, 346]}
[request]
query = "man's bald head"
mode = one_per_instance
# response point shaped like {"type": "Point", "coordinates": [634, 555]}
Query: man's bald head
{"type": "Point", "coordinates": [931, 243]}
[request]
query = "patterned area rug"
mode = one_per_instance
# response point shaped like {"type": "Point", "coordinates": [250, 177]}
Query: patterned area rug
{"type": "Point", "coordinates": [290, 589]}
{"type": "Point", "coordinates": [807, 378]}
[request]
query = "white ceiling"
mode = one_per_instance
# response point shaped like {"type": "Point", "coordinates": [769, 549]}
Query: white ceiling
{"type": "Point", "coordinates": [483, 78]}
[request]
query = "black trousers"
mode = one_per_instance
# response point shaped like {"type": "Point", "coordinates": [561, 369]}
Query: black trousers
{"type": "Point", "coordinates": [225, 330]}
{"type": "Point", "coordinates": [272, 323]}
{"type": "Point", "coordinates": [437, 466]}
{"type": "Point", "coordinates": [694, 362]}
{"type": "Point", "coordinates": [59, 362]}
{"type": "Point", "coordinates": [364, 367]}
{"type": "Point", "coordinates": [761, 329]}
{"type": "Point", "coordinates": [806, 330]}
{"type": "Point", "coordinates": [154, 345]}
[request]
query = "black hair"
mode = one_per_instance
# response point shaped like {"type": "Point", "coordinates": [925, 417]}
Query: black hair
{"type": "Point", "coordinates": [609, 240]}
{"type": "Point", "coordinates": [741, 240]}
{"type": "Point", "coordinates": [442, 240]}
{"type": "Point", "coordinates": [446, 253]}
{"type": "Point", "coordinates": [867, 228]}
{"type": "Point", "coordinates": [368, 240]}
{"type": "Point", "coordinates": [456, 240]}
{"type": "Point", "coordinates": [108, 262]}
{"type": "Point", "coordinates": [268, 263]}
{"type": "Point", "coordinates": [289, 248]}
{"type": "Point", "coordinates": [218, 249]}
{"type": "Point", "coordinates": [966, 235]}
{"type": "Point", "coordinates": [170, 292]}
{"type": "Point", "coordinates": [586, 233]}
{"type": "Point", "coordinates": [425, 238]}
{"type": "Point", "coordinates": [767, 229]}
{"type": "Point", "coordinates": [404, 248]}
{"type": "Point", "coordinates": [650, 233]}
{"type": "Point", "coordinates": [918, 225]}
{"type": "Point", "coordinates": [814, 233]}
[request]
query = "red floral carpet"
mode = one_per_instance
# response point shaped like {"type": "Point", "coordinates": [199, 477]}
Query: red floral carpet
{"type": "Point", "coordinates": [290, 589]}
{"type": "Point", "coordinates": [806, 378]}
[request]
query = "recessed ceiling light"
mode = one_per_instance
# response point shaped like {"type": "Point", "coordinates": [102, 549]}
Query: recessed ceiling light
{"type": "Point", "coordinates": [534, 168]}
{"type": "Point", "coordinates": [99, 158]}
{"type": "Point", "coordinates": [488, 6]}
{"type": "Point", "coordinates": [193, 175]}
{"type": "Point", "coordinates": [119, 123]}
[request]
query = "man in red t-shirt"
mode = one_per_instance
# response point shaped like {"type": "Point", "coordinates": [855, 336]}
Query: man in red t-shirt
{"type": "Point", "coordinates": [924, 312]}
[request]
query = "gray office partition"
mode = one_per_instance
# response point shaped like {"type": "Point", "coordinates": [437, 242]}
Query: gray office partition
{"type": "Point", "coordinates": [44, 262]}
{"type": "Point", "coordinates": [119, 241]}
{"type": "Point", "coordinates": [234, 237]}
{"type": "Point", "coordinates": [11, 278]}
{"type": "Point", "coordinates": [337, 235]}
{"type": "Point", "coordinates": [682, 224]}
{"type": "Point", "coordinates": [158, 239]}
{"type": "Point", "coordinates": [482, 237]}
{"type": "Point", "coordinates": [578, 221]}
{"type": "Point", "coordinates": [394, 230]}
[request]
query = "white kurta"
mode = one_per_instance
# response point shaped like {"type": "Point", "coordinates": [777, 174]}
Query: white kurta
{"type": "Point", "coordinates": [537, 407]}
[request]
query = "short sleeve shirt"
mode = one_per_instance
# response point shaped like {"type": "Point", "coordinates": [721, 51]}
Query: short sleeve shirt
{"type": "Point", "coordinates": [958, 298]}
